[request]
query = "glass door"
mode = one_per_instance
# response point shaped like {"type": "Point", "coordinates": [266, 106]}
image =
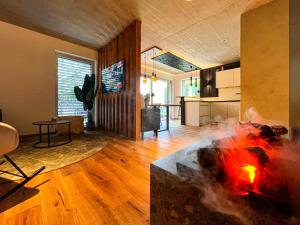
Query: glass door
{"type": "Point", "coordinates": [145, 87]}
{"type": "Point", "coordinates": [161, 92]}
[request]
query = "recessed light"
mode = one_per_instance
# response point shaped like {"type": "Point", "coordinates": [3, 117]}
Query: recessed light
{"type": "Point", "coordinates": [224, 41]}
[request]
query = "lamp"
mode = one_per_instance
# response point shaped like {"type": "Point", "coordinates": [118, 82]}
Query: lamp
{"type": "Point", "coordinates": [208, 83]}
{"type": "Point", "coordinates": [191, 78]}
{"type": "Point", "coordinates": [145, 70]}
{"type": "Point", "coordinates": [154, 77]}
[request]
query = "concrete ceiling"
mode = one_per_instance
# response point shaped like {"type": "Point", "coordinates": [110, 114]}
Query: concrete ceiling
{"type": "Point", "coordinates": [208, 32]}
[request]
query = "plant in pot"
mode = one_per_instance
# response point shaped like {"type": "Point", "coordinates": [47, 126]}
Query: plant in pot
{"type": "Point", "coordinates": [147, 99]}
{"type": "Point", "coordinates": [87, 95]}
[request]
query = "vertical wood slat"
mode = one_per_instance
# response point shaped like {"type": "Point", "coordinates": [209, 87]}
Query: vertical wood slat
{"type": "Point", "coordinates": [120, 112]}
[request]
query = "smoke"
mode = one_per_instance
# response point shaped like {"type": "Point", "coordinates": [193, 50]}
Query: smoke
{"type": "Point", "coordinates": [287, 158]}
{"type": "Point", "coordinates": [216, 198]}
{"type": "Point", "coordinates": [251, 115]}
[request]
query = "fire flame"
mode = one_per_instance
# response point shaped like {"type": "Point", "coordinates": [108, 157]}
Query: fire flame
{"type": "Point", "coordinates": [244, 169]}
{"type": "Point", "coordinates": [250, 172]}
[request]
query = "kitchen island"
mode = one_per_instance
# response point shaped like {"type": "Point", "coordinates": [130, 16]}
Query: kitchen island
{"type": "Point", "coordinates": [202, 111]}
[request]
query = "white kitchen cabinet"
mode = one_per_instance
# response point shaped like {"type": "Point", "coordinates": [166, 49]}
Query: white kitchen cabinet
{"type": "Point", "coordinates": [204, 120]}
{"type": "Point", "coordinates": [219, 111]}
{"type": "Point", "coordinates": [237, 77]}
{"type": "Point", "coordinates": [204, 113]}
{"type": "Point", "coordinates": [224, 79]}
{"type": "Point", "coordinates": [192, 113]}
{"type": "Point", "coordinates": [234, 110]}
{"type": "Point", "coordinates": [228, 78]}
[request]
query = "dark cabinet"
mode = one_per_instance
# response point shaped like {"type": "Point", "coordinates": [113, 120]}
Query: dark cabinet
{"type": "Point", "coordinates": [150, 120]}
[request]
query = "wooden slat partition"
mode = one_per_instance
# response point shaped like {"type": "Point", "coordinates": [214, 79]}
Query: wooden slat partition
{"type": "Point", "coordinates": [120, 112]}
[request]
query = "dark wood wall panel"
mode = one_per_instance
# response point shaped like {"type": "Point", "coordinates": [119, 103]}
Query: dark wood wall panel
{"type": "Point", "coordinates": [209, 74]}
{"type": "Point", "coordinates": [120, 112]}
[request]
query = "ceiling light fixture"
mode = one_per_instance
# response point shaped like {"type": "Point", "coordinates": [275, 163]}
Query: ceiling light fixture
{"type": "Point", "coordinates": [145, 70]}
{"type": "Point", "coordinates": [191, 78]}
{"type": "Point", "coordinates": [154, 77]}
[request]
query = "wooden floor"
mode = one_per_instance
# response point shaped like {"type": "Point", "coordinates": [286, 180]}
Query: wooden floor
{"type": "Point", "coordinates": [111, 187]}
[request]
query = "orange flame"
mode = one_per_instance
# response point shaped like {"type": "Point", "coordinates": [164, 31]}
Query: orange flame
{"type": "Point", "coordinates": [243, 170]}
{"type": "Point", "coordinates": [250, 172]}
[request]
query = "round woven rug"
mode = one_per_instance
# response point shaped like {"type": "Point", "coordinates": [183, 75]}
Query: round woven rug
{"type": "Point", "coordinates": [30, 159]}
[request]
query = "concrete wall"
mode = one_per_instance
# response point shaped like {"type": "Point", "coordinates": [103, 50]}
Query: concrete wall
{"type": "Point", "coordinates": [265, 61]}
{"type": "Point", "coordinates": [295, 63]}
{"type": "Point", "coordinates": [28, 75]}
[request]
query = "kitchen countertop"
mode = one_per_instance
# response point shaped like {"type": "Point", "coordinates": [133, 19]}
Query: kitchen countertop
{"type": "Point", "coordinates": [213, 99]}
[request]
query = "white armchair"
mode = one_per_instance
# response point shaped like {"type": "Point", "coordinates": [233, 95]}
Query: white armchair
{"type": "Point", "coordinates": [9, 141]}
{"type": "Point", "coordinates": [9, 138]}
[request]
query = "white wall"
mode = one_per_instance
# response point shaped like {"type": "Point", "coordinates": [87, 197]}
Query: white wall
{"type": "Point", "coordinates": [28, 75]}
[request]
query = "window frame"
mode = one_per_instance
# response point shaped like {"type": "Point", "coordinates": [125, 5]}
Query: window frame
{"type": "Point", "coordinates": [70, 56]}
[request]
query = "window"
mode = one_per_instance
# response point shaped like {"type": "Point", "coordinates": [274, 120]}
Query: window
{"type": "Point", "coordinates": [160, 89]}
{"type": "Point", "coordinates": [145, 87]}
{"type": "Point", "coordinates": [187, 89]}
{"type": "Point", "coordinates": [70, 73]}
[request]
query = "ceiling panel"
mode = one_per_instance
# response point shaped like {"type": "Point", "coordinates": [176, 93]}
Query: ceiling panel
{"type": "Point", "coordinates": [174, 61]}
{"type": "Point", "coordinates": [206, 31]}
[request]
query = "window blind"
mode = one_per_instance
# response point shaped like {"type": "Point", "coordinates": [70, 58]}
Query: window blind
{"type": "Point", "coordinates": [71, 73]}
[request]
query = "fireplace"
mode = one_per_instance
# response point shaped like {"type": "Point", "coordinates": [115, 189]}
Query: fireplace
{"type": "Point", "coordinates": [233, 180]}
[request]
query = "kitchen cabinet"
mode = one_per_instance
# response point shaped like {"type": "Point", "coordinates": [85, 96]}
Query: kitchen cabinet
{"type": "Point", "coordinates": [204, 120]}
{"type": "Point", "coordinates": [224, 79]}
{"type": "Point", "coordinates": [192, 113]}
{"type": "Point", "coordinates": [204, 113]}
{"type": "Point", "coordinates": [219, 111]}
{"type": "Point", "coordinates": [233, 110]}
{"type": "Point", "coordinates": [237, 77]}
{"type": "Point", "coordinates": [228, 78]}
{"type": "Point", "coordinates": [224, 110]}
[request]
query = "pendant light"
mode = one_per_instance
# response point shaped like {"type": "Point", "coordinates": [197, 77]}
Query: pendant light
{"type": "Point", "coordinates": [145, 70]}
{"type": "Point", "coordinates": [191, 78]}
{"type": "Point", "coordinates": [153, 77]}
